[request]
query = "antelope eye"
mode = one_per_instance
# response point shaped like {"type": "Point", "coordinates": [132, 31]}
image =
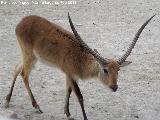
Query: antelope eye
{"type": "Point", "coordinates": [105, 71]}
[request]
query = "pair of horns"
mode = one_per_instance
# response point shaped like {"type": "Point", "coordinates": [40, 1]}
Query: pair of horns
{"type": "Point", "coordinates": [101, 59]}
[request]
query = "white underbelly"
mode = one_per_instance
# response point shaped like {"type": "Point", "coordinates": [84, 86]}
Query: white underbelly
{"type": "Point", "coordinates": [44, 61]}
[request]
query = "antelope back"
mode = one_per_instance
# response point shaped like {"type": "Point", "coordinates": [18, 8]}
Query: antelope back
{"type": "Point", "coordinates": [55, 46]}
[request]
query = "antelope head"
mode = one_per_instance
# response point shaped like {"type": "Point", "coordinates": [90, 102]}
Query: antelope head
{"type": "Point", "coordinates": [109, 67]}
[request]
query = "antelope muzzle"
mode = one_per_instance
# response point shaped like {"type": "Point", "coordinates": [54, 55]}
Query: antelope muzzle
{"type": "Point", "coordinates": [114, 88]}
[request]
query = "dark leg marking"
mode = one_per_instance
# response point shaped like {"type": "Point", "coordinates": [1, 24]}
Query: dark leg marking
{"type": "Point", "coordinates": [16, 72]}
{"type": "Point", "coordinates": [80, 99]}
{"type": "Point", "coordinates": [69, 90]}
{"type": "Point", "coordinates": [8, 97]}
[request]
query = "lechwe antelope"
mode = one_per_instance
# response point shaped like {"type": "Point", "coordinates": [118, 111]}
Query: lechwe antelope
{"type": "Point", "coordinates": [40, 39]}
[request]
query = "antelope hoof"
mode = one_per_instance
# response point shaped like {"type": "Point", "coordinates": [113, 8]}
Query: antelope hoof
{"type": "Point", "coordinates": [67, 114]}
{"type": "Point", "coordinates": [85, 118]}
{"type": "Point", "coordinates": [69, 118]}
{"type": "Point", "coordinates": [6, 104]}
{"type": "Point", "coordinates": [38, 110]}
{"type": "Point", "coordinates": [7, 100]}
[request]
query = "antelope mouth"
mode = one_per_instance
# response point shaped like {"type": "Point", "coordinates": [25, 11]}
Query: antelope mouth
{"type": "Point", "coordinates": [114, 88]}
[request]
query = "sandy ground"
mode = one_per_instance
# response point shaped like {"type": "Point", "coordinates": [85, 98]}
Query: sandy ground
{"type": "Point", "coordinates": [108, 26]}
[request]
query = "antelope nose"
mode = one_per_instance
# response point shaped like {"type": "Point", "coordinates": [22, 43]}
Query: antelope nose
{"type": "Point", "coordinates": [114, 88]}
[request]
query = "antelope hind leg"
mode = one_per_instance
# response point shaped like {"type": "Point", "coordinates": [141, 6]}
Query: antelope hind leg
{"type": "Point", "coordinates": [68, 93]}
{"type": "Point", "coordinates": [29, 62]}
{"type": "Point", "coordinates": [17, 70]}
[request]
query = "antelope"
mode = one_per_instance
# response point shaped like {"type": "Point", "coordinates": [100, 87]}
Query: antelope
{"type": "Point", "coordinates": [40, 39]}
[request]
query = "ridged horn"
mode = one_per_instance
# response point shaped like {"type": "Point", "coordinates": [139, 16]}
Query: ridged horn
{"type": "Point", "coordinates": [130, 48]}
{"type": "Point", "coordinates": [101, 59]}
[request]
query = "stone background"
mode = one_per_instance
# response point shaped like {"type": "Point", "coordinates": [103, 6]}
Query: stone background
{"type": "Point", "coordinates": [107, 25]}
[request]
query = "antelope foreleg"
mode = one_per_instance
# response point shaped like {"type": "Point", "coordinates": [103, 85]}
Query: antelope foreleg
{"type": "Point", "coordinates": [77, 92]}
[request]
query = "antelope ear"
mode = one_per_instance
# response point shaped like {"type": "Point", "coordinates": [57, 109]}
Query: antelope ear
{"type": "Point", "coordinates": [125, 63]}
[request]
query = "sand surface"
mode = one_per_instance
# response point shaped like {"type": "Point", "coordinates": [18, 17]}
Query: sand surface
{"type": "Point", "coordinates": [108, 26]}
